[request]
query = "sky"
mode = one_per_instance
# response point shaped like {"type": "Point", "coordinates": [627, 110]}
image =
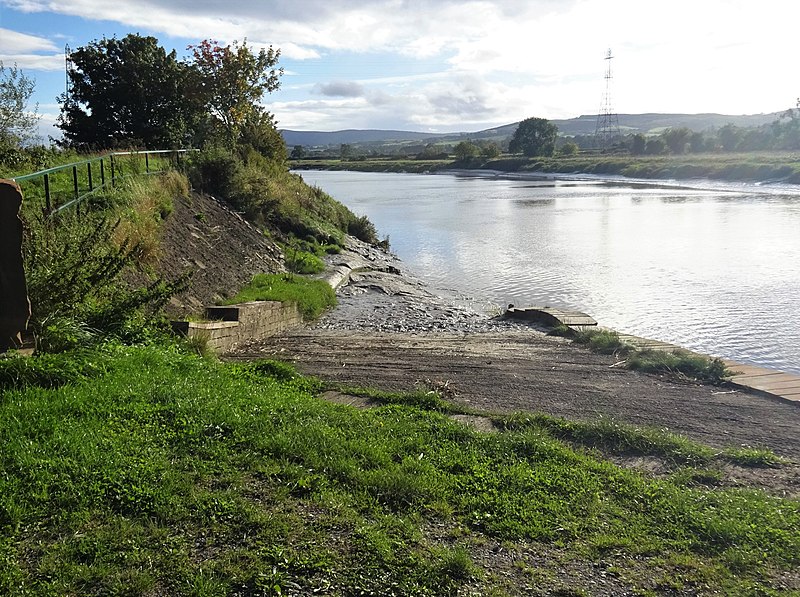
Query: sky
{"type": "Point", "coordinates": [449, 65]}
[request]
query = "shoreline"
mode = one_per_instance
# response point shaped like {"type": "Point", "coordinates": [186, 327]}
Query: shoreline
{"type": "Point", "coordinates": [378, 293]}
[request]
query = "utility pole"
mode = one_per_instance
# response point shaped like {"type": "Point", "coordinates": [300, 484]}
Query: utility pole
{"type": "Point", "coordinates": [607, 120]}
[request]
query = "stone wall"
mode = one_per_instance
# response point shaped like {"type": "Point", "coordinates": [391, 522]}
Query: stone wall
{"type": "Point", "coordinates": [233, 324]}
{"type": "Point", "coordinates": [15, 309]}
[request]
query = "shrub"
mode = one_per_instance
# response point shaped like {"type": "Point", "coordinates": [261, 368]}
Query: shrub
{"type": "Point", "coordinates": [363, 229]}
{"type": "Point", "coordinates": [680, 361]}
{"type": "Point", "coordinates": [73, 270]}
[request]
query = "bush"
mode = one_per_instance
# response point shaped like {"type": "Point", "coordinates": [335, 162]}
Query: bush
{"type": "Point", "coordinates": [363, 229]}
{"type": "Point", "coordinates": [73, 269]}
{"type": "Point", "coordinates": [680, 361]}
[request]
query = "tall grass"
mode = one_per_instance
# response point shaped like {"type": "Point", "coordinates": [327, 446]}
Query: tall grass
{"type": "Point", "coordinates": [74, 266]}
{"type": "Point", "coordinates": [274, 198]}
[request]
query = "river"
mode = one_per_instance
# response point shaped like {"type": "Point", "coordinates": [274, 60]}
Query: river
{"type": "Point", "coordinates": [712, 267]}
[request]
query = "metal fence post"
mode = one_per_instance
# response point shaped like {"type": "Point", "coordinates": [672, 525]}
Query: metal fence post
{"type": "Point", "coordinates": [47, 192]}
{"type": "Point", "coordinates": [89, 172]}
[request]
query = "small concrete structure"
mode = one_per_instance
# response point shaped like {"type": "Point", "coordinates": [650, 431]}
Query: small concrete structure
{"type": "Point", "coordinates": [15, 309]}
{"type": "Point", "coordinates": [230, 325]}
{"type": "Point", "coordinates": [551, 317]}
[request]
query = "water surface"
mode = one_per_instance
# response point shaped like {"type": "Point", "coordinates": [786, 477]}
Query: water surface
{"type": "Point", "coordinates": [715, 268]}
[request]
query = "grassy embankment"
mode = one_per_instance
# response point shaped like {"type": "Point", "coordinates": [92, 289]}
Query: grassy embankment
{"type": "Point", "coordinates": [143, 468]}
{"type": "Point", "coordinates": [757, 166]}
{"type": "Point", "coordinates": [147, 469]}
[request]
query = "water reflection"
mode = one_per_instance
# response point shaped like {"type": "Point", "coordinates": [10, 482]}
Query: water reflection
{"type": "Point", "coordinates": [715, 269]}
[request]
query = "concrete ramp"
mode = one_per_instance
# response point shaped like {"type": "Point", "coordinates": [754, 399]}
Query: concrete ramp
{"type": "Point", "coordinates": [551, 316]}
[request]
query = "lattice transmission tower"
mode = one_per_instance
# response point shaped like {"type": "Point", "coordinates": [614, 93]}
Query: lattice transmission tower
{"type": "Point", "coordinates": [607, 120]}
{"type": "Point", "coordinates": [68, 66]}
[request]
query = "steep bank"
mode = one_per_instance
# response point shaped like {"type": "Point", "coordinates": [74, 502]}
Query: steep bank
{"type": "Point", "coordinates": [220, 248]}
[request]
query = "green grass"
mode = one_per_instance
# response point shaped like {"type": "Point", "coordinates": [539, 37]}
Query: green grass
{"type": "Point", "coordinates": [684, 362]}
{"type": "Point", "coordinates": [602, 341]}
{"type": "Point", "coordinates": [311, 296]}
{"type": "Point", "coordinates": [164, 473]}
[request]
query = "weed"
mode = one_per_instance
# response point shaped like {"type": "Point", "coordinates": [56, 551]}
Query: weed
{"type": "Point", "coordinates": [680, 361]}
{"type": "Point", "coordinates": [74, 271]}
{"type": "Point", "coordinates": [753, 457]}
{"type": "Point", "coordinates": [602, 341]}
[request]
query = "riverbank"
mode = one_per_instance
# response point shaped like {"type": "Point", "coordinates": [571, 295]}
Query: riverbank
{"type": "Point", "coordinates": [781, 167]}
{"type": "Point", "coordinates": [216, 477]}
{"type": "Point", "coordinates": [390, 332]}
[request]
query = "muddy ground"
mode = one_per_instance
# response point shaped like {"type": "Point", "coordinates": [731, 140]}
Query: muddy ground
{"type": "Point", "coordinates": [389, 332]}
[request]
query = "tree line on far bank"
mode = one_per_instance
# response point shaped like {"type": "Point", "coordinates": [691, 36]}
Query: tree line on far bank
{"type": "Point", "coordinates": [538, 137]}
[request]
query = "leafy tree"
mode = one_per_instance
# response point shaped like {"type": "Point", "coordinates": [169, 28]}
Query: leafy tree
{"type": "Point", "coordinates": [298, 152]}
{"type": "Point", "coordinates": [569, 148]}
{"type": "Point", "coordinates": [533, 137]}
{"type": "Point", "coordinates": [655, 146]}
{"type": "Point", "coordinates": [697, 142]}
{"type": "Point", "coordinates": [260, 132]}
{"type": "Point", "coordinates": [677, 139]}
{"type": "Point", "coordinates": [729, 137]}
{"type": "Point", "coordinates": [490, 149]}
{"type": "Point", "coordinates": [232, 81]}
{"type": "Point", "coordinates": [17, 122]}
{"type": "Point", "coordinates": [638, 144]}
{"type": "Point", "coordinates": [466, 150]}
{"type": "Point", "coordinates": [128, 91]}
{"type": "Point", "coordinates": [346, 151]}
{"type": "Point", "coordinates": [432, 152]}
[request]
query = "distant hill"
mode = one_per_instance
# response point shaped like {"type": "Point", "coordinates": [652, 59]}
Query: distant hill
{"type": "Point", "coordinates": [581, 125]}
{"type": "Point", "coordinates": [322, 138]}
{"type": "Point", "coordinates": [655, 123]}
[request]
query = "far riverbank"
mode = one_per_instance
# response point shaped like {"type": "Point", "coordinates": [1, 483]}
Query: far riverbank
{"type": "Point", "coordinates": [773, 167]}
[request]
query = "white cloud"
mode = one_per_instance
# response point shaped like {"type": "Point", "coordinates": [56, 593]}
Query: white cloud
{"type": "Point", "coordinates": [339, 89]}
{"type": "Point", "coordinates": [486, 62]}
{"type": "Point", "coordinates": [16, 42]}
{"type": "Point", "coordinates": [52, 62]}
{"type": "Point", "coordinates": [24, 51]}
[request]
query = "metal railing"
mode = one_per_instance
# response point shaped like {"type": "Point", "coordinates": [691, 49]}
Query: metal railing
{"type": "Point", "coordinates": [65, 186]}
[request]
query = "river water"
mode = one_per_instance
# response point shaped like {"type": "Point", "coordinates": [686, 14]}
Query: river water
{"type": "Point", "coordinates": [714, 268]}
